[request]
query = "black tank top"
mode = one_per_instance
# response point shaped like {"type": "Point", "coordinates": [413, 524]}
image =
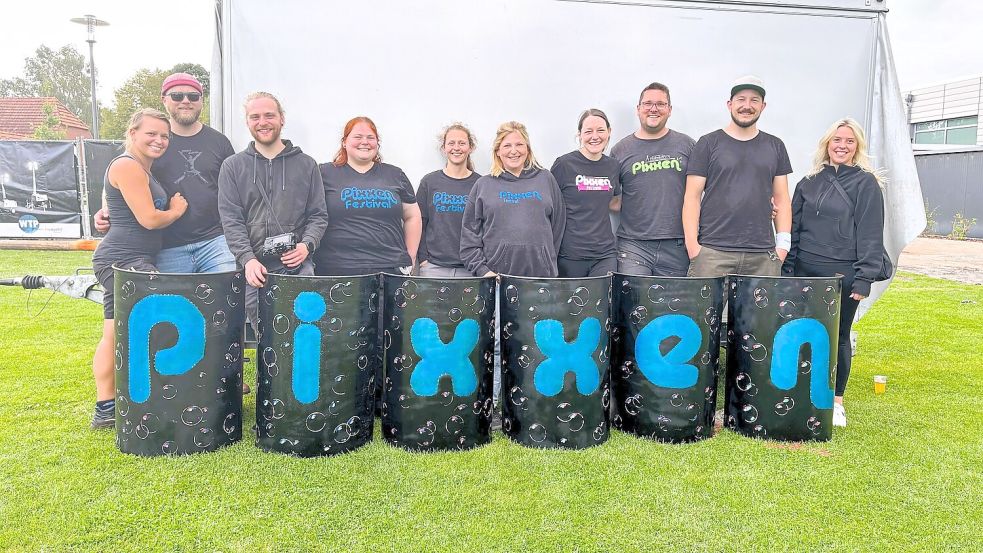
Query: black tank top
{"type": "Point", "coordinates": [127, 239]}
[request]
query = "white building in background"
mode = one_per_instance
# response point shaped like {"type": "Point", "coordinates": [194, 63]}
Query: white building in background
{"type": "Point", "coordinates": [946, 113]}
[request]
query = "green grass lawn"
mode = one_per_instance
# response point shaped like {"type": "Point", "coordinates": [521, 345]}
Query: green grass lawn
{"type": "Point", "coordinates": [907, 474]}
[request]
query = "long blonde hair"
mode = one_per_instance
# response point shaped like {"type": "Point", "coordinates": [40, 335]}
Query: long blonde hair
{"type": "Point", "coordinates": [504, 130]}
{"type": "Point", "coordinates": [861, 158]}
{"type": "Point", "coordinates": [137, 119]}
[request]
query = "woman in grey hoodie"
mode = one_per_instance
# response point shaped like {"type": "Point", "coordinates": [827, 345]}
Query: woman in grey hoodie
{"type": "Point", "coordinates": [514, 217]}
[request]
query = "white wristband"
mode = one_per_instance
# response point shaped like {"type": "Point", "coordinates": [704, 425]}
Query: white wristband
{"type": "Point", "coordinates": [783, 241]}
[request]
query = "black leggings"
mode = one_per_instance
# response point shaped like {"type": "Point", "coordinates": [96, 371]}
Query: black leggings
{"type": "Point", "coordinates": [848, 308]}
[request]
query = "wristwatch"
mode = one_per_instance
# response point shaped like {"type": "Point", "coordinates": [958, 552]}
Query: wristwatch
{"type": "Point", "coordinates": [310, 246]}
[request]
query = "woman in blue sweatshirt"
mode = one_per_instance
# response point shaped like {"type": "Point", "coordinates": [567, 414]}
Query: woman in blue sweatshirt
{"type": "Point", "coordinates": [838, 228]}
{"type": "Point", "coordinates": [514, 217]}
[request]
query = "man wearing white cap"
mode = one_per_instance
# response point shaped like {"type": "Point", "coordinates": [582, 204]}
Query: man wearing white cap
{"type": "Point", "coordinates": [734, 177]}
{"type": "Point", "coordinates": [195, 243]}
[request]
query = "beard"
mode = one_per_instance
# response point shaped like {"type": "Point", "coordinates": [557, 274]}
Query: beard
{"type": "Point", "coordinates": [745, 124]}
{"type": "Point", "coordinates": [274, 137]}
{"type": "Point", "coordinates": [184, 117]}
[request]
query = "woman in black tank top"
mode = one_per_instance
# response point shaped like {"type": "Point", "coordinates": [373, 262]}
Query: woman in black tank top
{"type": "Point", "coordinates": [138, 207]}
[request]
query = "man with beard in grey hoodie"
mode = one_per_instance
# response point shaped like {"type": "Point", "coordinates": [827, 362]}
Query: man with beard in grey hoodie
{"type": "Point", "coordinates": [270, 189]}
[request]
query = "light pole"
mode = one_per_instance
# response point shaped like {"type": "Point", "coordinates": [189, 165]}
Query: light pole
{"type": "Point", "coordinates": [91, 23]}
{"type": "Point", "coordinates": [38, 201]}
{"type": "Point", "coordinates": [9, 205]}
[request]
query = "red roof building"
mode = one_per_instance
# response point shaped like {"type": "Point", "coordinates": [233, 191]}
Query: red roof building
{"type": "Point", "coordinates": [20, 116]}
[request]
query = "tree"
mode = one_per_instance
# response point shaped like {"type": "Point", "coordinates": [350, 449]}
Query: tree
{"type": "Point", "coordinates": [142, 90]}
{"type": "Point", "coordinates": [60, 73]}
{"type": "Point", "coordinates": [199, 73]}
{"type": "Point", "coordinates": [49, 127]}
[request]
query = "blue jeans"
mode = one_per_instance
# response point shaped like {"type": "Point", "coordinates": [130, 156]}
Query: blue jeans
{"type": "Point", "coordinates": [207, 256]}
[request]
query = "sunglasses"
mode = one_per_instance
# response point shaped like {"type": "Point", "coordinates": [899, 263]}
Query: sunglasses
{"type": "Point", "coordinates": [179, 96]}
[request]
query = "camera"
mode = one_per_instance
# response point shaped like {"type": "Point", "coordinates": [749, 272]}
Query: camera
{"type": "Point", "coordinates": [275, 246]}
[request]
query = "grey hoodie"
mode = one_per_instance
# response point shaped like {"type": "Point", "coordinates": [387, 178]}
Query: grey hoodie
{"type": "Point", "coordinates": [513, 225]}
{"type": "Point", "coordinates": [293, 184]}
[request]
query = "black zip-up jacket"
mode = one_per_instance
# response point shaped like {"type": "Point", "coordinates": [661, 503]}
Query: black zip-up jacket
{"type": "Point", "coordinates": [292, 182]}
{"type": "Point", "coordinates": [826, 226]}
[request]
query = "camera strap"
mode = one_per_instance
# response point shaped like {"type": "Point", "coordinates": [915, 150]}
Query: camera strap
{"type": "Point", "coordinates": [266, 198]}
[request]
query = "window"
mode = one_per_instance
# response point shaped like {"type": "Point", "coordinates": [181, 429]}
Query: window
{"type": "Point", "coordinates": [960, 130]}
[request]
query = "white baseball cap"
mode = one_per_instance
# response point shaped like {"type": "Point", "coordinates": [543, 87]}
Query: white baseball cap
{"type": "Point", "coordinates": [746, 82]}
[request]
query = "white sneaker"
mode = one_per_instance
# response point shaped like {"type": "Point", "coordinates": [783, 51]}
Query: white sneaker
{"type": "Point", "coordinates": [839, 415]}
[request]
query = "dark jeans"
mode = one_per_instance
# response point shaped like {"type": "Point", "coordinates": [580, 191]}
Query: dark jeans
{"type": "Point", "coordinates": [848, 308]}
{"type": "Point", "coordinates": [580, 268]}
{"type": "Point", "coordinates": [666, 258]}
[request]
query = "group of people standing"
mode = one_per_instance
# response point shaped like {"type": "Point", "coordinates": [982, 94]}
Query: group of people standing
{"type": "Point", "coordinates": [180, 200]}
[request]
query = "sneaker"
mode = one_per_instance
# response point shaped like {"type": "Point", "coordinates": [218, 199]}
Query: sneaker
{"type": "Point", "coordinates": [103, 419]}
{"type": "Point", "coordinates": [839, 415]}
{"type": "Point", "coordinates": [496, 421]}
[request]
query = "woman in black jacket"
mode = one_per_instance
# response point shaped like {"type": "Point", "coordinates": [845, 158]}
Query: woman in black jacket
{"type": "Point", "coordinates": [838, 228]}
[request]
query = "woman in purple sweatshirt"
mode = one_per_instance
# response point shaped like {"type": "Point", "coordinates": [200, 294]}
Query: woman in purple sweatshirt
{"type": "Point", "coordinates": [514, 217]}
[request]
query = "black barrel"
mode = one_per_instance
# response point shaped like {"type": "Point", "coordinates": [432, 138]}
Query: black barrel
{"type": "Point", "coordinates": [316, 366]}
{"type": "Point", "coordinates": [178, 361]}
{"type": "Point", "coordinates": [555, 361]}
{"type": "Point", "coordinates": [666, 355]}
{"type": "Point", "coordinates": [781, 356]}
{"type": "Point", "coordinates": [438, 352]}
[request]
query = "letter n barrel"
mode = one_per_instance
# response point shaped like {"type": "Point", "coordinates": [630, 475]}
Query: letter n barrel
{"type": "Point", "coordinates": [178, 365]}
{"type": "Point", "coordinates": [316, 364]}
{"type": "Point", "coordinates": [781, 356]}
{"type": "Point", "coordinates": [665, 355]}
{"type": "Point", "coordinates": [555, 361]}
{"type": "Point", "coordinates": [438, 353]}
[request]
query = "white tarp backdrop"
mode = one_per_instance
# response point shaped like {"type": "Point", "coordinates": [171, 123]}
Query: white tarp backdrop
{"type": "Point", "coordinates": [414, 67]}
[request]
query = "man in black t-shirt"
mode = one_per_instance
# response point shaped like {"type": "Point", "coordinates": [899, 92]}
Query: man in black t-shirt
{"type": "Point", "coordinates": [195, 243]}
{"type": "Point", "coordinates": [735, 175]}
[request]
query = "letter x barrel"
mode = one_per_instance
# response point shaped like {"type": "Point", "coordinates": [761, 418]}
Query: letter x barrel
{"type": "Point", "coordinates": [781, 356]}
{"type": "Point", "coordinates": [555, 361]}
{"type": "Point", "coordinates": [178, 366]}
{"type": "Point", "coordinates": [666, 349]}
{"type": "Point", "coordinates": [316, 366]}
{"type": "Point", "coordinates": [438, 351]}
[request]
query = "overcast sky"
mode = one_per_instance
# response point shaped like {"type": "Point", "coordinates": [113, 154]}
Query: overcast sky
{"type": "Point", "coordinates": [933, 40]}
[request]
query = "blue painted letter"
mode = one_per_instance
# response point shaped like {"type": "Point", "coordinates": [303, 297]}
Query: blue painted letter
{"type": "Point", "coordinates": [563, 357]}
{"type": "Point", "coordinates": [306, 378]}
{"type": "Point", "coordinates": [785, 359]}
{"type": "Point", "coordinates": [671, 370]}
{"type": "Point", "coordinates": [438, 359]}
{"type": "Point", "coordinates": [177, 359]}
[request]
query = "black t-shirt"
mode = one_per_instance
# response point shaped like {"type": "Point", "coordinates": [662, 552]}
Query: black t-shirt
{"type": "Point", "coordinates": [735, 214]}
{"type": "Point", "coordinates": [365, 211]}
{"type": "Point", "coordinates": [442, 200]}
{"type": "Point", "coordinates": [190, 166]}
{"type": "Point", "coordinates": [653, 181]}
{"type": "Point", "coordinates": [587, 187]}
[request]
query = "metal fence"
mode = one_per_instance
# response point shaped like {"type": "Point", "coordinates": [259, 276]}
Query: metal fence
{"type": "Point", "coordinates": [952, 185]}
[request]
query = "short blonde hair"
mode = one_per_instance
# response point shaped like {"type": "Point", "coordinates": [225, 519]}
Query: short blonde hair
{"type": "Point", "coordinates": [504, 130]}
{"type": "Point", "coordinates": [261, 94]}
{"type": "Point", "coordinates": [861, 158]}
{"type": "Point", "coordinates": [137, 119]}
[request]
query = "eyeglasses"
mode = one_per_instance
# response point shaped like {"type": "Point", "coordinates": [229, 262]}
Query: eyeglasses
{"type": "Point", "coordinates": [179, 96]}
{"type": "Point", "coordinates": [650, 105]}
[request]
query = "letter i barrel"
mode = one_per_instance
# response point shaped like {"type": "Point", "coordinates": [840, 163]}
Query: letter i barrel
{"type": "Point", "coordinates": [178, 361]}
{"type": "Point", "coordinates": [438, 351]}
{"type": "Point", "coordinates": [555, 361]}
{"type": "Point", "coordinates": [316, 364]}
{"type": "Point", "coordinates": [665, 355]}
{"type": "Point", "coordinates": [781, 356]}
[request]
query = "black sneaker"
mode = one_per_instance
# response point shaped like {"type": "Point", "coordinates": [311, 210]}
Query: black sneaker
{"type": "Point", "coordinates": [103, 419]}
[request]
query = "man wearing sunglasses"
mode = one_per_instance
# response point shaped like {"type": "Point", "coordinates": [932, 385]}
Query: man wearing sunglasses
{"type": "Point", "coordinates": [190, 166]}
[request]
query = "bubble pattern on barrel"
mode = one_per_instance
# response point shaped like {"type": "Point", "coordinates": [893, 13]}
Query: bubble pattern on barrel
{"type": "Point", "coordinates": [665, 356]}
{"type": "Point", "coordinates": [781, 356]}
{"type": "Point", "coordinates": [438, 351]}
{"type": "Point", "coordinates": [316, 364]}
{"type": "Point", "coordinates": [555, 361]}
{"type": "Point", "coordinates": [178, 361]}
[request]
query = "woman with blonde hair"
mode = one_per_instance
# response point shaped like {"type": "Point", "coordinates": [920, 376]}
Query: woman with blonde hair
{"type": "Point", "coordinates": [838, 229]}
{"type": "Point", "coordinates": [442, 196]}
{"type": "Point", "coordinates": [514, 217]}
{"type": "Point", "coordinates": [138, 207]}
